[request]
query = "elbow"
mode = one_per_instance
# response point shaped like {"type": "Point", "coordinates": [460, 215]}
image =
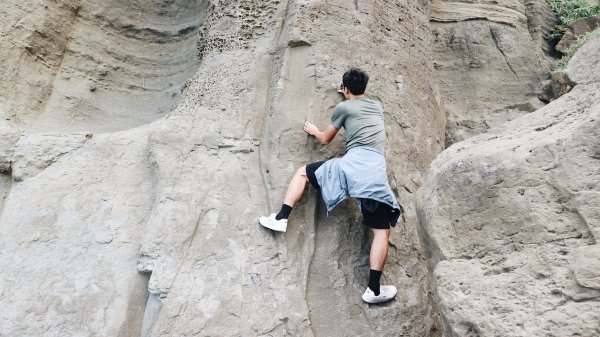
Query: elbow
{"type": "Point", "coordinates": [324, 140]}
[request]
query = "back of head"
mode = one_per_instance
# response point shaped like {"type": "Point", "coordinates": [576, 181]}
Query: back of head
{"type": "Point", "coordinates": [356, 81]}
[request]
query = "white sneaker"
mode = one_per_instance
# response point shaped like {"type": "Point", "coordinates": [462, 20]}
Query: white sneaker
{"type": "Point", "coordinates": [386, 293]}
{"type": "Point", "coordinates": [271, 223]}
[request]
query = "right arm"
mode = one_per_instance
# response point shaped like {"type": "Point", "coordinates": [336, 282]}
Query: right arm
{"type": "Point", "coordinates": [338, 119]}
{"type": "Point", "coordinates": [324, 137]}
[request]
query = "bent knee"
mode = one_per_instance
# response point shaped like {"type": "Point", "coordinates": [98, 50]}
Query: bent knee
{"type": "Point", "coordinates": [301, 171]}
{"type": "Point", "coordinates": [382, 232]}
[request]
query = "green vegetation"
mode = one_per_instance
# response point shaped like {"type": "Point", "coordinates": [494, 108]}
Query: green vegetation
{"type": "Point", "coordinates": [562, 63]}
{"type": "Point", "coordinates": [571, 10]}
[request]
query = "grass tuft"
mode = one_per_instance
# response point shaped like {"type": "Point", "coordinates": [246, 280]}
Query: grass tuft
{"type": "Point", "coordinates": [569, 11]}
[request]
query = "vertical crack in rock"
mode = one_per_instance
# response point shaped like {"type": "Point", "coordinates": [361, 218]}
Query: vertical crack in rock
{"type": "Point", "coordinates": [137, 308]}
{"type": "Point", "coordinates": [497, 44]}
{"type": "Point", "coordinates": [5, 187]}
{"type": "Point", "coordinates": [62, 56]}
{"type": "Point", "coordinates": [151, 309]}
{"type": "Point", "coordinates": [8, 144]}
{"type": "Point", "coordinates": [337, 274]}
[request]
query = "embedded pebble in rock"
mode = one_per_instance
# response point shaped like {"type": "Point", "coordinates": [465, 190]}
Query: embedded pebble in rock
{"type": "Point", "coordinates": [586, 266]}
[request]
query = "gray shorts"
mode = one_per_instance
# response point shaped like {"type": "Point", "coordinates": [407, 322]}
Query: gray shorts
{"type": "Point", "coordinates": [376, 214]}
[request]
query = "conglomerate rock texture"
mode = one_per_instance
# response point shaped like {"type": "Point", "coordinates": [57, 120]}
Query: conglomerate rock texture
{"type": "Point", "coordinates": [141, 140]}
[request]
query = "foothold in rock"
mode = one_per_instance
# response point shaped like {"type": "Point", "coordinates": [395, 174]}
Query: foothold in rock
{"type": "Point", "coordinates": [399, 82]}
{"type": "Point", "coordinates": [298, 43]}
{"type": "Point", "coordinates": [92, 86]}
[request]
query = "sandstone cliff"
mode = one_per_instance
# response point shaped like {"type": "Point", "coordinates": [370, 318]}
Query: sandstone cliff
{"type": "Point", "coordinates": [119, 219]}
{"type": "Point", "coordinates": [140, 141]}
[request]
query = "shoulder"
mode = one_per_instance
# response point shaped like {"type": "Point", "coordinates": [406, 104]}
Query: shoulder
{"type": "Point", "coordinates": [341, 108]}
{"type": "Point", "coordinates": [342, 105]}
{"type": "Point", "coordinates": [374, 102]}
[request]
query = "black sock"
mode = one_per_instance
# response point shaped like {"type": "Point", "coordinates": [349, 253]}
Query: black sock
{"type": "Point", "coordinates": [284, 213]}
{"type": "Point", "coordinates": [374, 277]}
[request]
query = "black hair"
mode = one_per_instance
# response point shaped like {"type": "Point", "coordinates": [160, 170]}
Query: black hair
{"type": "Point", "coordinates": [356, 81]}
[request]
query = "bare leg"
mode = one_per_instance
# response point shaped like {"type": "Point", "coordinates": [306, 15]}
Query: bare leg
{"type": "Point", "coordinates": [296, 187]}
{"type": "Point", "coordinates": [379, 248]}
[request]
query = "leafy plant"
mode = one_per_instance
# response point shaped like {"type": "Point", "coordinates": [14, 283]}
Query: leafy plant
{"type": "Point", "coordinates": [562, 63]}
{"type": "Point", "coordinates": [569, 11]}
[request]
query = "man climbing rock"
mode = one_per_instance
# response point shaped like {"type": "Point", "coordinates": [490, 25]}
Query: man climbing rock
{"type": "Point", "coordinates": [360, 173]}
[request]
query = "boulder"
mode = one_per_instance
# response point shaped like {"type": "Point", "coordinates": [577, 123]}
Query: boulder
{"type": "Point", "coordinates": [558, 85]}
{"type": "Point", "coordinates": [576, 30]}
{"type": "Point", "coordinates": [510, 220]}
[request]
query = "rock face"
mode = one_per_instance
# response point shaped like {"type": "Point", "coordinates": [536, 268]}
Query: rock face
{"type": "Point", "coordinates": [95, 65]}
{"type": "Point", "coordinates": [510, 220]}
{"type": "Point", "coordinates": [140, 142]}
{"type": "Point", "coordinates": [489, 61]}
{"type": "Point", "coordinates": [119, 219]}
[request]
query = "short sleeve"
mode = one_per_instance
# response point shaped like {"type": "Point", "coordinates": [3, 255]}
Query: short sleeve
{"type": "Point", "coordinates": [339, 116]}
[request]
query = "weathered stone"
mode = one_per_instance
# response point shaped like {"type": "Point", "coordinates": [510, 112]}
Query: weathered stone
{"type": "Point", "coordinates": [489, 71]}
{"type": "Point", "coordinates": [576, 30]}
{"type": "Point", "coordinates": [119, 218]}
{"type": "Point", "coordinates": [584, 66]}
{"type": "Point", "coordinates": [558, 85]}
{"type": "Point", "coordinates": [511, 12]}
{"type": "Point", "coordinates": [509, 219]}
{"type": "Point", "coordinates": [139, 143]}
{"type": "Point", "coordinates": [586, 266]}
{"type": "Point", "coordinates": [95, 65]}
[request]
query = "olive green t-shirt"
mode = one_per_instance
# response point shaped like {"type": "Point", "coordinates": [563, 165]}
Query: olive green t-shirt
{"type": "Point", "coordinates": [362, 119]}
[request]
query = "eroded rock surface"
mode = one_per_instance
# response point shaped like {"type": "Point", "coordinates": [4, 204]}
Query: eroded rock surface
{"type": "Point", "coordinates": [152, 230]}
{"type": "Point", "coordinates": [489, 60]}
{"type": "Point", "coordinates": [95, 65]}
{"type": "Point", "coordinates": [510, 220]}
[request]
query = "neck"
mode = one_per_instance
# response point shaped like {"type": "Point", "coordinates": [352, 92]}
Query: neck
{"type": "Point", "coordinates": [351, 96]}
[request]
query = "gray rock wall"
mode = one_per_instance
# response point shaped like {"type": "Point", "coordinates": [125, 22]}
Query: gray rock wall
{"type": "Point", "coordinates": [140, 142]}
{"type": "Point", "coordinates": [510, 220]}
{"type": "Point", "coordinates": [100, 66]}
{"type": "Point", "coordinates": [489, 59]}
{"type": "Point", "coordinates": [119, 219]}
